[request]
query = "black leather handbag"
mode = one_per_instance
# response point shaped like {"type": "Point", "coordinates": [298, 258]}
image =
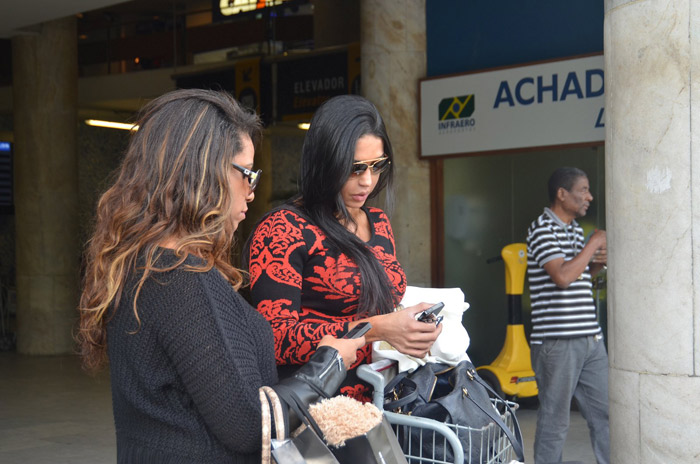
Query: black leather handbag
{"type": "Point", "coordinates": [453, 395]}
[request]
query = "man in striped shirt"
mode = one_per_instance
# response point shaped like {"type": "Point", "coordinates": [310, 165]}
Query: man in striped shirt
{"type": "Point", "coordinates": [568, 354]}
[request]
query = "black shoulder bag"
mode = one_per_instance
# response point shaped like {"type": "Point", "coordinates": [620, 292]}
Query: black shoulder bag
{"type": "Point", "coordinates": [453, 395]}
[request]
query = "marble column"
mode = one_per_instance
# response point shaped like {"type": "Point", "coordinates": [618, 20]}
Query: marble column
{"type": "Point", "coordinates": [652, 86]}
{"type": "Point", "coordinates": [45, 87]}
{"type": "Point", "coordinates": [392, 37]}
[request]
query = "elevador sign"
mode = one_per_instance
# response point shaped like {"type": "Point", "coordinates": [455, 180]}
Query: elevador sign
{"type": "Point", "coordinates": [538, 105]}
{"type": "Point", "coordinates": [304, 83]}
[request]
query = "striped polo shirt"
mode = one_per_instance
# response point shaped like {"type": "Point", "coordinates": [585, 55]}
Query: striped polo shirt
{"type": "Point", "coordinates": [558, 312]}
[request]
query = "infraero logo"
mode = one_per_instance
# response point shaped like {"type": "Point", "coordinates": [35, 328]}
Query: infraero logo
{"type": "Point", "coordinates": [456, 107]}
{"type": "Point", "coordinates": [455, 113]}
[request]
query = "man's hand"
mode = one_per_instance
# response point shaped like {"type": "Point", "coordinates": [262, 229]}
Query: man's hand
{"type": "Point", "coordinates": [600, 256]}
{"type": "Point", "coordinates": [564, 272]}
{"type": "Point", "coordinates": [599, 242]}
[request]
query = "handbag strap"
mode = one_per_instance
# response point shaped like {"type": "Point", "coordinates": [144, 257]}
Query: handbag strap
{"type": "Point", "coordinates": [516, 424]}
{"type": "Point", "coordinates": [267, 396]}
{"type": "Point", "coordinates": [295, 404]}
{"type": "Point", "coordinates": [266, 428]}
{"type": "Point", "coordinates": [277, 411]}
{"type": "Point", "coordinates": [517, 439]}
{"type": "Point", "coordinates": [390, 388]}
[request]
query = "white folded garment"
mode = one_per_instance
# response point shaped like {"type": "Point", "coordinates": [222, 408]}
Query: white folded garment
{"type": "Point", "coordinates": [450, 347]}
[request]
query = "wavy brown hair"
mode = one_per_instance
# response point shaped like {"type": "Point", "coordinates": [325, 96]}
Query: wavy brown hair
{"type": "Point", "coordinates": [172, 184]}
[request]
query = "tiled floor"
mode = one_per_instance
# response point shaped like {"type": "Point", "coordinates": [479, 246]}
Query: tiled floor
{"type": "Point", "coordinates": [53, 413]}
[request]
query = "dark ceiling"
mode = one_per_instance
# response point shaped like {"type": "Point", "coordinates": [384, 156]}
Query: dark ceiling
{"type": "Point", "coordinates": [149, 34]}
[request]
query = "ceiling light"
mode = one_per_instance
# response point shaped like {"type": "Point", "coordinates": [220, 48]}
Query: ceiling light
{"type": "Point", "coordinates": [111, 124]}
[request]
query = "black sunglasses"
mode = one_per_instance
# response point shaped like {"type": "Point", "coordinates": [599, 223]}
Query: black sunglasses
{"type": "Point", "coordinates": [253, 176]}
{"type": "Point", "coordinates": [376, 165]}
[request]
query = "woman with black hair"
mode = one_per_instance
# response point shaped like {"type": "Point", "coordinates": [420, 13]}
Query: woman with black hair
{"type": "Point", "coordinates": [324, 261]}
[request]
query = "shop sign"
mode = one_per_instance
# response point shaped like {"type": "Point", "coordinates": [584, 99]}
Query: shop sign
{"type": "Point", "coordinates": [226, 8]}
{"type": "Point", "coordinates": [304, 84]}
{"type": "Point", "coordinates": [538, 105]}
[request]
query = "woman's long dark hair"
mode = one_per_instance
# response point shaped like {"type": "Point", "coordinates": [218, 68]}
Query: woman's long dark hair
{"type": "Point", "coordinates": [327, 160]}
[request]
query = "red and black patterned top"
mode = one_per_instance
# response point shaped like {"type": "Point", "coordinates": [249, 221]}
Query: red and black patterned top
{"type": "Point", "coordinates": [307, 291]}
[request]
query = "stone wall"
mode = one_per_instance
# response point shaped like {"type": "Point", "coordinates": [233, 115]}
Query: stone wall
{"type": "Point", "coordinates": [99, 154]}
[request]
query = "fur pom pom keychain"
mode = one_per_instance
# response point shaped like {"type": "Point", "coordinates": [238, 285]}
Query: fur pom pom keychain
{"type": "Point", "coordinates": [342, 418]}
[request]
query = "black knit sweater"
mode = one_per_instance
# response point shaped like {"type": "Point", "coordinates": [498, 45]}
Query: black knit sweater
{"type": "Point", "coordinates": [185, 382]}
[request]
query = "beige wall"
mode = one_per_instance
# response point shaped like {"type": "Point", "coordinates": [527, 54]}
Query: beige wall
{"type": "Point", "coordinates": [393, 59]}
{"type": "Point", "coordinates": [652, 64]}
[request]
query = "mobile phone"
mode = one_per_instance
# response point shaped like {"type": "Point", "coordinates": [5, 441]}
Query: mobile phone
{"type": "Point", "coordinates": [359, 330]}
{"type": "Point", "coordinates": [432, 311]}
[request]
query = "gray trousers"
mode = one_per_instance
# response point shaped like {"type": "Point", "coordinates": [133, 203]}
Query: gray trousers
{"type": "Point", "coordinates": [566, 369]}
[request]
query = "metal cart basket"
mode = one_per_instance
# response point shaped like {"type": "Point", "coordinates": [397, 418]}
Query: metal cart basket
{"type": "Point", "coordinates": [428, 441]}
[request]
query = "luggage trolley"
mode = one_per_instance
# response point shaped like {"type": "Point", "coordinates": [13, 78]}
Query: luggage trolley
{"type": "Point", "coordinates": [489, 444]}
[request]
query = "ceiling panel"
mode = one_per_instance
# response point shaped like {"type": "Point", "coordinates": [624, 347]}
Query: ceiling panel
{"type": "Point", "coordinates": [20, 16]}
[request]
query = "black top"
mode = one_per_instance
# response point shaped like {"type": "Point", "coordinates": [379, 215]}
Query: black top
{"type": "Point", "coordinates": [185, 382]}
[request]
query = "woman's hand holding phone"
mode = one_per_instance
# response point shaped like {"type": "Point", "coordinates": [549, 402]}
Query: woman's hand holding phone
{"type": "Point", "coordinates": [430, 314]}
{"type": "Point", "coordinates": [347, 347]}
{"type": "Point", "coordinates": [404, 332]}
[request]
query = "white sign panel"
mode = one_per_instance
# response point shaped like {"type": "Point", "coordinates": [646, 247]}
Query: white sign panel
{"type": "Point", "coordinates": [555, 103]}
